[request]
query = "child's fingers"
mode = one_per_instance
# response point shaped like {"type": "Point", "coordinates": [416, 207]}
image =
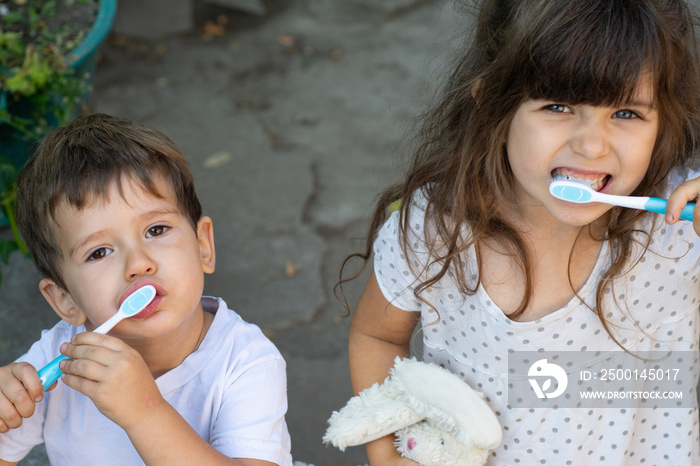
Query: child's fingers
{"type": "Point", "coordinates": [686, 192]}
{"type": "Point", "coordinates": [10, 418]}
{"type": "Point", "coordinates": [84, 385]}
{"type": "Point", "coordinates": [93, 357]}
{"type": "Point", "coordinates": [28, 375]}
{"type": "Point", "coordinates": [93, 346]}
{"type": "Point", "coordinates": [85, 362]}
{"type": "Point", "coordinates": [97, 339]}
{"type": "Point", "coordinates": [16, 400]}
{"type": "Point", "coordinates": [81, 351]}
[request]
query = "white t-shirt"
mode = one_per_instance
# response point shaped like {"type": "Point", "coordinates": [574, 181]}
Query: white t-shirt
{"type": "Point", "coordinates": [231, 390]}
{"type": "Point", "coordinates": [658, 311]}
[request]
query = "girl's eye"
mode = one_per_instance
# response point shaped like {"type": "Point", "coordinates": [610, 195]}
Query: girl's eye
{"type": "Point", "coordinates": [558, 108]}
{"type": "Point", "coordinates": [99, 253]}
{"type": "Point", "coordinates": [625, 114]}
{"type": "Point", "coordinates": [156, 231]}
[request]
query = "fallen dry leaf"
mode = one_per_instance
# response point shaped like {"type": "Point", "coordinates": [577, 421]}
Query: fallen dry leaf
{"type": "Point", "coordinates": [210, 30]}
{"type": "Point", "coordinates": [218, 159]}
{"type": "Point", "coordinates": [286, 39]}
{"type": "Point", "coordinates": [290, 269]}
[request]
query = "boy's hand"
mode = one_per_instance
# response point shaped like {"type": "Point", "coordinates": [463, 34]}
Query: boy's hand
{"type": "Point", "coordinates": [20, 390]}
{"type": "Point", "coordinates": [686, 192]}
{"type": "Point", "coordinates": [113, 375]}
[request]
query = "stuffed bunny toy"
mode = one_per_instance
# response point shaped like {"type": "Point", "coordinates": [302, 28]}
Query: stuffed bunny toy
{"type": "Point", "coordinates": [438, 419]}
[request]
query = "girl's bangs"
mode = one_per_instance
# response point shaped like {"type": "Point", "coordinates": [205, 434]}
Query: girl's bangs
{"type": "Point", "coordinates": [597, 61]}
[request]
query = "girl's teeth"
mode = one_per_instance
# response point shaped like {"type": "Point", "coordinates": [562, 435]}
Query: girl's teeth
{"type": "Point", "coordinates": [593, 184]}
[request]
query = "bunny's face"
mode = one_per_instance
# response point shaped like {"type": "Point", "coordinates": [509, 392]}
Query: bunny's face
{"type": "Point", "coordinates": [426, 445]}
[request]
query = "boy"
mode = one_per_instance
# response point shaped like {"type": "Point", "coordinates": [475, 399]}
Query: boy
{"type": "Point", "coordinates": [107, 206]}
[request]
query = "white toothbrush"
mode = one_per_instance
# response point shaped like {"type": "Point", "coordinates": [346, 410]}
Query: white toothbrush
{"type": "Point", "coordinates": [580, 193]}
{"type": "Point", "coordinates": [131, 306]}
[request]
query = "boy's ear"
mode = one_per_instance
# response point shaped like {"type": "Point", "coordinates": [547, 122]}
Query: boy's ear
{"type": "Point", "coordinates": [61, 302]}
{"type": "Point", "coordinates": [205, 236]}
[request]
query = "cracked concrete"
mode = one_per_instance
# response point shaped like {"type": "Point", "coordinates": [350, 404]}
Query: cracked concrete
{"type": "Point", "coordinates": [292, 125]}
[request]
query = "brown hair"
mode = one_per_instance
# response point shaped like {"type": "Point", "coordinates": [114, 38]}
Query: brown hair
{"type": "Point", "coordinates": [80, 160]}
{"type": "Point", "coordinates": [573, 52]}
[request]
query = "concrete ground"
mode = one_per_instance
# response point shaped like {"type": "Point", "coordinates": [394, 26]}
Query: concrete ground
{"type": "Point", "coordinates": [292, 123]}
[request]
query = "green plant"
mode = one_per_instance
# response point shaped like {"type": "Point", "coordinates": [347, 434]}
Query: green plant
{"type": "Point", "coordinates": [39, 89]}
{"type": "Point", "coordinates": [8, 176]}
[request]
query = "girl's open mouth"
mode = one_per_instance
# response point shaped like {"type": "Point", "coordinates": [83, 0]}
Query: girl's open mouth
{"type": "Point", "coordinates": [596, 181]}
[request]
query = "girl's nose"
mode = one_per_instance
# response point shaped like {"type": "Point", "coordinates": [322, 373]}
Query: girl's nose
{"type": "Point", "coordinates": [139, 264]}
{"type": "Point", "coordinates": [590, 138]}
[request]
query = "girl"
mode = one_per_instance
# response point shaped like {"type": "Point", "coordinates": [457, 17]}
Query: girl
{"type": "Point", "coordinates": [605, 92]}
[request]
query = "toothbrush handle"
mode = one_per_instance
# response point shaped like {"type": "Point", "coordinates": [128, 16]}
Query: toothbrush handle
{"type": "Point", "coordinates": [51, 372]}
{"type": "Point", "coordinates": [659, 206]}
{"type": "Point", "coordinates": [110, 323]}
{"type": "Point", "coordinates": [687, 212]}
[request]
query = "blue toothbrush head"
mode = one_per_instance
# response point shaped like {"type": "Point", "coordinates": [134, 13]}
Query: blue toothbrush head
{"type": "Point", "coordinates": [138, 300]}
{"type": "Point", "coordinates": [571, 191]}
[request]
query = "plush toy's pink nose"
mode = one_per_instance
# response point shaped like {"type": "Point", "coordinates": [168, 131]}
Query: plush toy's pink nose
{"type": "Point", "coordinates": [411, 444]}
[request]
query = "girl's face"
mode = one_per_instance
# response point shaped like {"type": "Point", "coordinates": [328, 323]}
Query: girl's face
{"type": "Point", "coordinates": [608, 148]}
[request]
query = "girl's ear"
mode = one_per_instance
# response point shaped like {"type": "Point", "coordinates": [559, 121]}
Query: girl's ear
{"type": "Point", "coordinates": [205, 236]}
{"type": "Point", "coordinates": [61, 302]}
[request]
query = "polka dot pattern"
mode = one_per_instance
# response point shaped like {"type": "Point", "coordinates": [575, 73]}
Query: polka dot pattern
{"type": "Point", "coordinates": [653, 308]}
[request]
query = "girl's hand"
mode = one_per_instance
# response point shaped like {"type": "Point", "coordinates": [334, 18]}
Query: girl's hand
{"type": "Point", "coordinates": [396, 460]}
{"type": "Point", "coordinates": [382, 452]}
{"type": "Point", "coordinates": [401, 461]}
{"type": "Point", "coordinates": [113, 375]}
{"type": "Point", "coordinates": [686, 192]}
{"type": "Point", "coordinates": [20, 390]}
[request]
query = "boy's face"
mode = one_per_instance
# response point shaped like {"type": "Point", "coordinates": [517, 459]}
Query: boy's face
{"type": "Point", "coordinates": [114, 245]}
{"type": "Point", "coordinates": [607, 147]}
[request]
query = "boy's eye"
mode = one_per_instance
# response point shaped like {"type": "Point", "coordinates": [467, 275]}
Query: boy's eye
{"type": "Point", "coordinates": [98, 254]}
{"type": "Point", "coordinates": [625, 114]}
{"type": "Point", "coordinates": [156, 231]}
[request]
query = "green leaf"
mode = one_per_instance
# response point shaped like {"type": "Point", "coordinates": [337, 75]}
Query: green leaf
{"type": "Point", "coordinates": [8, 176]}
{"type": "Point", "coordinates": [7, 247]}
{"type": "Point", "coordinates": [11, 48]}
{"type": "Point", "coordinates": [12, 17]}
{"type": "Point", "coordinates": [5, 116]}
{"type": "Point", "coordinates": [49, 9]}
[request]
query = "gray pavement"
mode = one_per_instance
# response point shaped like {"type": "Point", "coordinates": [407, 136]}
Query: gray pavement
{"type": "Point", "coordinates": [292, 124]}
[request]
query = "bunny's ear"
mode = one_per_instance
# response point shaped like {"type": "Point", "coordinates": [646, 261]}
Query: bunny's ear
{"type": "Point", "coordinates": [449, 403]}
{"type": "Point", "coordinates": [377, 411]}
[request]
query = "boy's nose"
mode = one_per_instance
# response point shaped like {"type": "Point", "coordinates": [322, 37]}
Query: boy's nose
{"type": "Point", "coordinates": [139, 264]}
{"type": "Point", "coordinates": [590, 139]}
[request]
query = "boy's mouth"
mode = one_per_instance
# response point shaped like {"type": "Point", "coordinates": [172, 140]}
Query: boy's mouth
{"type": "Point", "coordinates": [153, 306]}
{"type": "Point", "coordinates": [596, 181]}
